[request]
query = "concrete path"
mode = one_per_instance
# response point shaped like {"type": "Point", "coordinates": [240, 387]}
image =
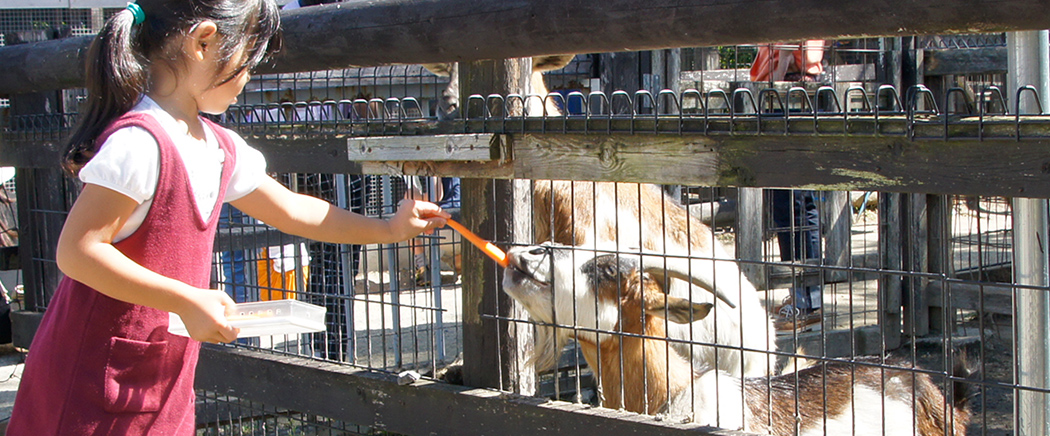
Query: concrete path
{"type": "Point", "coordinates": [10, 374]}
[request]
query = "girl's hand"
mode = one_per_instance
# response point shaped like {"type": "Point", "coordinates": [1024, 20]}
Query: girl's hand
{"type": "Point", "coordinates": [414, 217]}
{"type": "Point", "coordinates": [205, 316]}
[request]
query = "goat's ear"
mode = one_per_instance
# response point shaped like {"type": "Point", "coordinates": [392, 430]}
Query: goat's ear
{"type": "Point", "coordinates": [679, 310]}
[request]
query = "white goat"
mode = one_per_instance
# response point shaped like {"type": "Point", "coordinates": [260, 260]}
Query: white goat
{"type": "Point", "coordinates": [639, 372]}
{"type": "Point", "coordinates": [626, 216]}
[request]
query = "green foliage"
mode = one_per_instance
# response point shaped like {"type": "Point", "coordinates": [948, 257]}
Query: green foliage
{"type": "Point", "coordinates": [732, 56]}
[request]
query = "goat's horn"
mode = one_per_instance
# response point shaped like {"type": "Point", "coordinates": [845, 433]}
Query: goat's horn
{"type": "Point", "coordinates": [690, 270]}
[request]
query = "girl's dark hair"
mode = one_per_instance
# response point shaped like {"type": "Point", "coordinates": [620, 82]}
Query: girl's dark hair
{"type": "Point", "coordinates": [117, 63]}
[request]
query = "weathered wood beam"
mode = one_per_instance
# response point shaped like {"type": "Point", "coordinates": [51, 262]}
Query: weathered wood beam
{"type": "Point", "coordinates": [375, 399]}
{"type": "Point", "coordinates": [890, 164]}
{"type": "Point", "coordinates": [842, 162]}
{"type": "Point", "coordinates": [369, 33]}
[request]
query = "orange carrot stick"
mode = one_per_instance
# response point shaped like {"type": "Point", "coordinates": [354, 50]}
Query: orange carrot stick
{"type": "Point", "coordinates": [486, 247]}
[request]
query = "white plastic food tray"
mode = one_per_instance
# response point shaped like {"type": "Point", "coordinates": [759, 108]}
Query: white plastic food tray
{"type": "Point", "coordinates": [266, 318]}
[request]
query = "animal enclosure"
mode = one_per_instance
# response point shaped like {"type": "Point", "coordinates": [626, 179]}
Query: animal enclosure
{"type": "Point", "coordinates": [911, 168]}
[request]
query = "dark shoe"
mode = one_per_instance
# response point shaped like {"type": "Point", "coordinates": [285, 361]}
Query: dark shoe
{"type": "Point", "coordinates": [423, 276]}
{"type": "Point", "coordinates": [792, 319]}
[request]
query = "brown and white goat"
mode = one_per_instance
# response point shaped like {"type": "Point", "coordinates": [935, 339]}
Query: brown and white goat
{"type": "Point", "coordinates": [638, 371]}
{"type": "Point", "coordinates": [620, 215]}
{"type": "Point", "coordinates": [633, 216]}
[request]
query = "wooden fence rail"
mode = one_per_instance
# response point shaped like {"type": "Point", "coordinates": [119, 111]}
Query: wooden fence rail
{"type": "Point", "coordinates": [365, 33]}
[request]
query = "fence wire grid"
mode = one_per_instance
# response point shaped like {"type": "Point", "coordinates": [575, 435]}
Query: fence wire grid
{"type": "Point", "coordinates": [872, 292]}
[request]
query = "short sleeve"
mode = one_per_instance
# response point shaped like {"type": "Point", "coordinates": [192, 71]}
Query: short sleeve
{"type": "Point", "coordinates": [249, 171]}
{"type": "Point", "coordinates": [128, 162]}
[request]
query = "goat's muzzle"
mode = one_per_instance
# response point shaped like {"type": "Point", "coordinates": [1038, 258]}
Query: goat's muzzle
{"type": "Point", "coordinates": [524, 263]}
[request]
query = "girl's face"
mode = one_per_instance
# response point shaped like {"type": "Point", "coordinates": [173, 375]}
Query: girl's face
{"type": "Point", "coordinates": [212, 95]}
{"type": "Point", "coordinates": [216, 99]}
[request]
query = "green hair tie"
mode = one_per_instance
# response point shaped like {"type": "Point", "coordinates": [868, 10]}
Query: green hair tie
{"type": "Point", "coordinates": [137, 12]}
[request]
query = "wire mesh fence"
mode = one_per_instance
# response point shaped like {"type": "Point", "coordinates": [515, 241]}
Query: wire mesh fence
{"type": "Point", "coordinates": [223, 415]}
{"type": "Point", "coordinates": [877, 298]}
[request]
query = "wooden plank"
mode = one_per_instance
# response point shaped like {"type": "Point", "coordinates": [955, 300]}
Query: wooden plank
{"type": "Point", "coordinates": [481, 170]}
{"type": "Point", "coordinates": [494, 350]}
{"type": "Point", "coordinates": [892, 164]}
{"type": "Point", "coordinates": [836, 221]}
{"type": "Point", "coordinates": [636, 158]}
{"type": "Point", "coordinates": [915, 244]}
{"type": "Point", "coordinates": [987, 60]}
{"type": "Point", "coordinates": [471, 146]}
{"type": "Point", "coordinates": [750, 232]}
{"type": "Point", "coordinates": [410, 31]}
{"type": "Point", "coordinates": [883, 164]}
{"type": "Point", "coordinates": [842, 162]}
{"type": "Point", "coordinates": [375, 399]}
{"type": "Point", "coordinates": [939, 215]}
{"type": "Point", "coordinates": [890, 243]}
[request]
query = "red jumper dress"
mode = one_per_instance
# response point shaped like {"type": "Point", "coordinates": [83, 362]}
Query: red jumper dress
{"type": "Point", "coordinates": [99, 366]}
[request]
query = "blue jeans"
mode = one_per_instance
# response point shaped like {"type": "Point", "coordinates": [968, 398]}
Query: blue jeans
{"type": "Point", "coordinates": [795, 213]}
{"type": "Point", "coordinates": [233, 262]}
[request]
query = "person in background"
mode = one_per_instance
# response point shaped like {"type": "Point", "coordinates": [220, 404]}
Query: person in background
{"type": "Point", "coordinates": [794, 210]}
{"type": "Point", "coordinates": [137, 243]}
{"type": "Point", "coordinates": [446, 195]}
{"type": "Point", "coordinates": [801, 62]}
{"type": "Point", "coordinates": [797, 218]}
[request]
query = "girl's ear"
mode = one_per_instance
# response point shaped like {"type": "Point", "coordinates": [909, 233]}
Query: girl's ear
{"type": "Point", "coordinates": [201, 38]}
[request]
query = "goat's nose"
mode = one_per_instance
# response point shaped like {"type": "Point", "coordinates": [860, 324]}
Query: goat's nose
{"type": "Point", "coordinates": [538, 251]}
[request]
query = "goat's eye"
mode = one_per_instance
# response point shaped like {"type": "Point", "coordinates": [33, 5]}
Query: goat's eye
{"type": "Point", "coordinates": [538, 251]}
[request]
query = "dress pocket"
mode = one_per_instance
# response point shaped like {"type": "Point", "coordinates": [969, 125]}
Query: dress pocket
{"type": "Point", "coordinates": [135, 373]}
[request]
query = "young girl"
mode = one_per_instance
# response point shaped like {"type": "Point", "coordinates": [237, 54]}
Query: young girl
{"type": "Point", "coordinates": [138, 242]}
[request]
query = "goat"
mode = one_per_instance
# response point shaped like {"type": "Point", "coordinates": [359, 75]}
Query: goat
{"type": "Point", "coordinates": [564, 212]}
{"type": "Point", "coordinates": [639, 372]}
{"type": "Point", "coordinates": [606, 214]}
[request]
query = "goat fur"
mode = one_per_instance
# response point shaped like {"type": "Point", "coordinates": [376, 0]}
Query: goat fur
{"type": "Point", "coordinates": [624, 216]}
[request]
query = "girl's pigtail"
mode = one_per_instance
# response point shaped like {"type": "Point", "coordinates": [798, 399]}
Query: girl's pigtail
{"type": "Point", "coordinates": [115, 77]}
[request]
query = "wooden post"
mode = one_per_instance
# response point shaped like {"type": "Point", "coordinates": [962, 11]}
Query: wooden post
{"type": "Point", "coordinates": [494, 350]}
{"type": "Point", "coordinates": [836, 220]}
{"type": "Point", "coordinates": [43, 194]}
{"type": "Point", "coordinates": [890, 241]}
{"type": "Point", "coordinates": [620, 71]}
{"type": "Point", "coordinates": [916, 240]}
{"type": "Point", "coordinates": [939, 257]}
{"type": "Point", "coordinates": [915, 244]}
{"type": "Point", "coordinates": [749, 231]}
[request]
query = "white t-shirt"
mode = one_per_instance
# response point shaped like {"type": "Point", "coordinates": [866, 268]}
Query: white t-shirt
{"type": "Point", "coordinates": [129, 163]}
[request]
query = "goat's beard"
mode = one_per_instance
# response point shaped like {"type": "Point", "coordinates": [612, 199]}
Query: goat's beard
{"type": "Point", "coordinates": [549, 344]}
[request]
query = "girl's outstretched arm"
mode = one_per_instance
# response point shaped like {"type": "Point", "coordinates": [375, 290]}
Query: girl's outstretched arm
{"type": "Point", "coordinates": [86, 254]}
{"type": "Point", "coordinates": [316, 219]}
